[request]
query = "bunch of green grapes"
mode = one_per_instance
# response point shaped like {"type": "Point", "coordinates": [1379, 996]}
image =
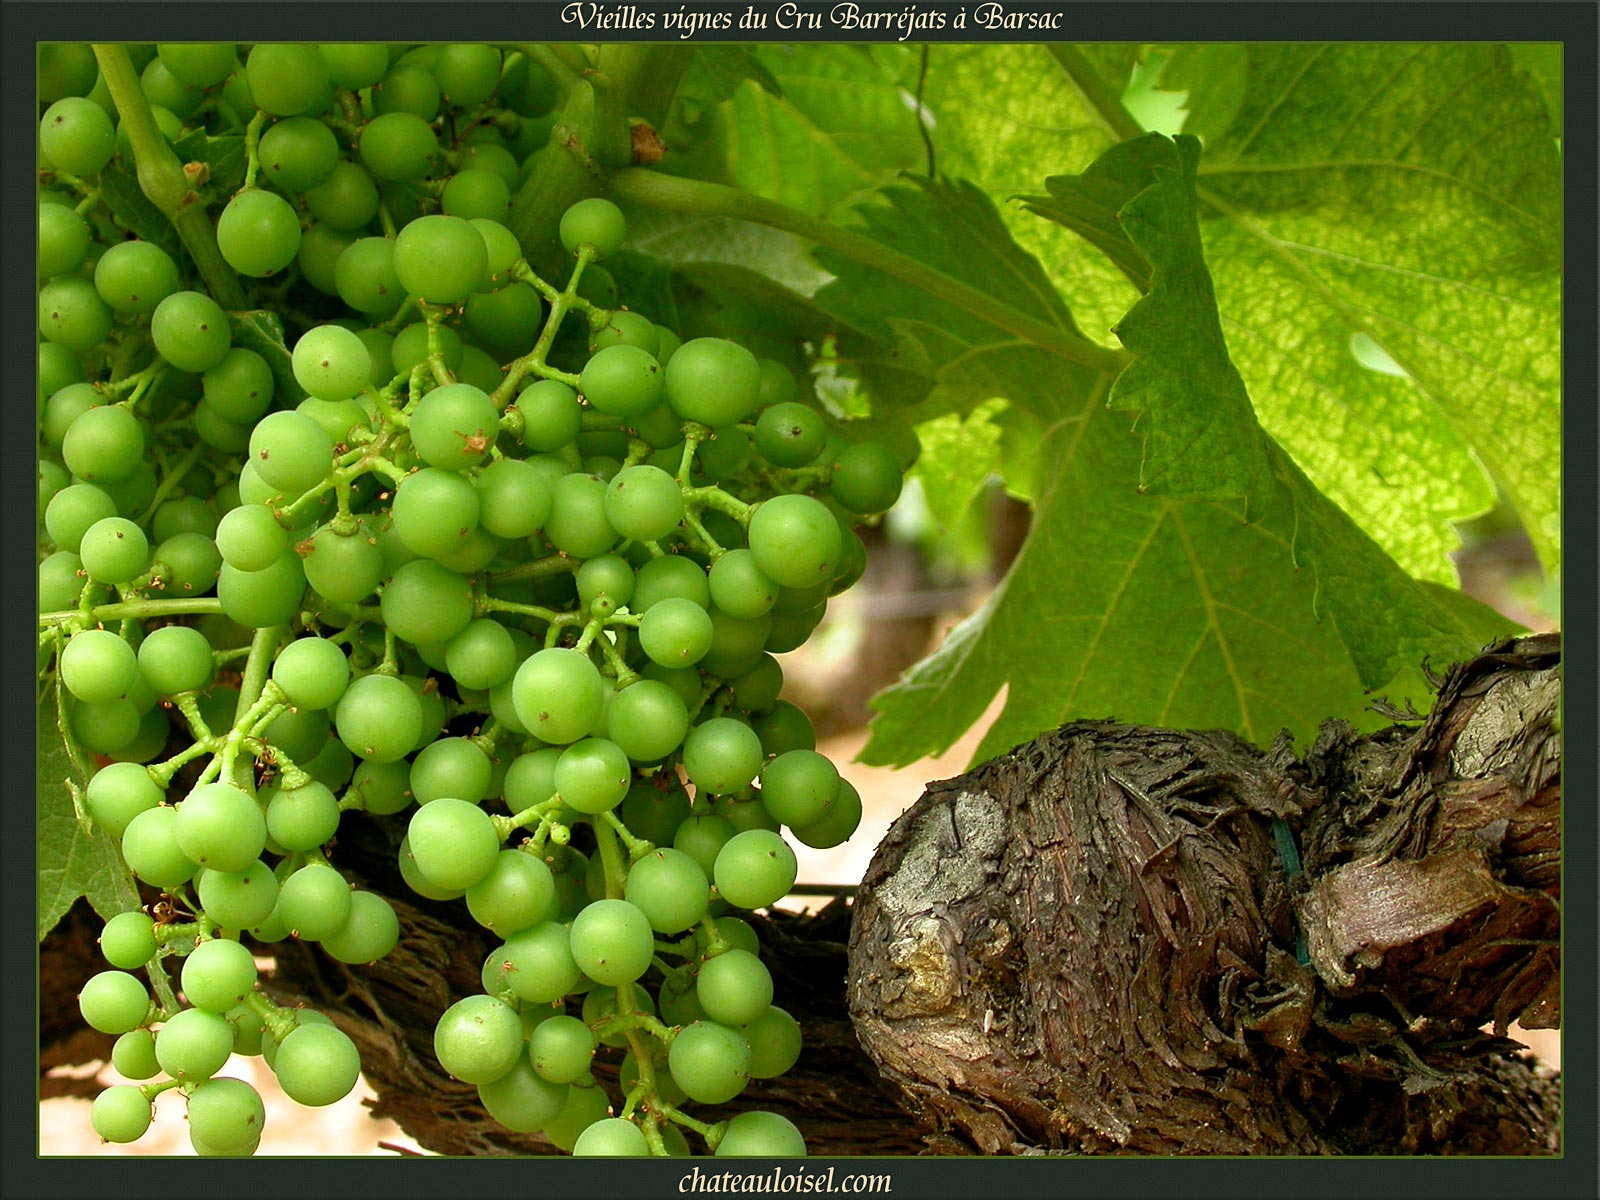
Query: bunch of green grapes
{"type": "Point", "coordinates": [498, 561]}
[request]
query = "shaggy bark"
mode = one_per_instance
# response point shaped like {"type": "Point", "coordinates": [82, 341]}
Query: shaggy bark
{"type": "Point", "coordinates": [1102, 942]}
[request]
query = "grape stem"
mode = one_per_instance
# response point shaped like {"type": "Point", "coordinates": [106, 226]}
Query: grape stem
{"type": "Point", "coordinates": [675, 194]}
{"type": "Point", "coordinates": [162, 179]}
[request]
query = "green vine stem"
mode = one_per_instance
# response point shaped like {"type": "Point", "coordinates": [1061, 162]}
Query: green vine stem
{"type": "Point", "coordinates": [162, 179]}
{"type": "Point", "coordinates": [671, 194]}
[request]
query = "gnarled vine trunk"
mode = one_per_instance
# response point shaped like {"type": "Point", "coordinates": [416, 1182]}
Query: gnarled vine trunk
{"type": "Point", "coordinates": [1103, 942]}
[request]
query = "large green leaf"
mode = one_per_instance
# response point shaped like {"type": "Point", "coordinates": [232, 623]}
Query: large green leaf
{"type": "Point", "coordinates": [71, 862]}
{"type": "Point", "coordinates": [924, 349]}
{"type": "Point", "coordinates": [1181, 608]}
{"type": "Point", "coordinates": [839, 126]}
{"type": "Point", "coordinates": [1410, 193]}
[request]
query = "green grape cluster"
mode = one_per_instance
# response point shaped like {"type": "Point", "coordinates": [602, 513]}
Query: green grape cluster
{"type": "Point", "coordinates": [513, 576]}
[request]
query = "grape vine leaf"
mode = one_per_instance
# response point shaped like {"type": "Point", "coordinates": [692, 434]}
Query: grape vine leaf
{"type": "Point", "coordinates": [715, 73]}
{"type": "Point", "coordinates": [921, 350]}
{"type": "Point", "coordinates": [1175, 610]}
{"type": "Point", "coordinates": [134, 210]}
{"type": "Point", "coordinates": [71, 862]}
{"type": "Point", "coordinates": [838, 126]}
{"type": "Point", "coordinates": [959, 453]}
{"type": "Point", "coordinates": [1412, 194]}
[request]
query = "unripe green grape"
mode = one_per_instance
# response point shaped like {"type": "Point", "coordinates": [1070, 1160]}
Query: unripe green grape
{"type": "Point", "coordinates": [644, 503]}
{"type": "Point", "coordinates": [551, 414]}
{"type": "Point", "coordinates": [761, 1134]}
{"type": "Point", "coordinates": [775, 1043]}
{"type": "Point", "coordinates": [505, 321]}
{"type": "Point", "coordinates": [250, 538]}
{"type": "Point", "coordinates": [297, 153]}
{"type": "Point", "coordinates": [865, 478]}
{"type": "Point", "coordinates": [343, 568]}
{"type": "Point", "coordinates": [317, 1065]}
{"type": "Point", "coordinates": [119, 792]}
{"type": "Point", "coordinates": [370, 931]}
{"type": "Point", "coordinates": [517, 893]}
{"type": "Point", "coordinates": [355, 65]}
{"type": "Point", "coordinates": [790, 434]}
{"type": "Point", "coordinates": [65, 69]}
{"type": "Point", "coordinates": [226, 1116]}
{"type": "Point", "coordinates": [454, 843]}
{"type": "Point", "coordinates": [592, 775]}
{"type": "Point", "coordinates": [238, 899]}
{"type": "Point", "coordinates": [176, 658]}
{"type": "Point", "coordinates": [795, 540]}
{"type": "Point", "coordinates": [736, 646]}
{"type": "Point", "coordinates": [454, 766]}
{"type": "Point", "coordinates": [312, 671]}
{"type": "Point", "coordinates": [611, 1137]}
{"type": "Point", "coordinates": [454, 426]}
{"type": "Point", "coordinates": [739, 587]}
{"type": "Point", "coordinates": [332, 765]}
{"type": "Point", "coordinates": [76, 135]}
{"type": "Point", "coordinates": [476, 193]}
{"type": "Point", "coordinates": [584, 1106]}
{"type": "Point", "coordinates": [654, 807]}
{"type": "Point", "coordinates": [754, 869]}
{"type": "Point", "coordinates": [482, 655]}
{"type": "Point", "coordinates": [218, 974]}
{"type": "Point", "coordinates": [128, 940]}
{"type": "Point", "coordinates": [114, 551]}
{"type": "Point", "coordinates": [713, 381]}
{"type": "Point", "coordinates": [710, 1062]}
{"type": "Point", "coordinates": [799, 787]}
{"type": "Point", "coordinates": [537, 963]}
{"type": "Point", "coordinates": [220, 826]}
{"type": "Point", "coordinates": [258, 233]}
{"type": "Point", "coordinates": [63, 240]}
{"type": "Point", "coordinates": [120, 1114]}
{"type": "Point", "coordinates": [190, 331]}
{"type": "Point", "coordinates": [721, 755]}
{"type": "Point", "coordinates": [287, 78]}
{"type": "Point", "coordinates": [784, 728]}
{"type": "Point", "coordinates": [478, 1039]}
{"type": "Point", "coordinates": [522, 1101]}
{"type": "Point", "coordinates": [60, 581]}
{"type": "Point", "coordinates": [98, 665]}
{"type": "Point", "coordinates": [426, 603]}
{"type": "Point", "coordinates": [298, 734]}
{"type": "Point", "coordinates": [577, 523]}
{"type": "Point", "coordinates": [647, 720]}
{"type": "Point", "coordinates": [612, 942]}
{"type": "Point", "coordinates": [71, 313]}
{"type": "Point", "coordinates": [331, 362]}
{"type": "Point", "coordinates": [702, 837]}
{"type": "Point", "coordinates": [194, 1044]}
{"type": "Point", "coordinates": [440, 258]}
{"type": "Point", "coordinates": [383, 787]}
{"type": "Point", "coordinates": [675, 632]}
{"type": "Point", "coordinates": [561, 1049]}
{"type": "Point", "coordinates": [435, 511]}
{"type": "Point", "coordinates": [407, 89]}
{"type": "Point", "coordinates": [133, 1055]}
{"type": "Point", "coordinates": [134, 277]}
{"type": "Point", "coordinates": [303, 818]}
{"type": "Point", "coordinates": [314, 901]}
{"type": "Point", "coordinates": [734, 987]}
{"type": "Point", "coordinates": [347, 199]}
{"type": "Point", "coordinates": [837, 825]}
{"type": "Point", "coordinates": [364, 277]}
{"type": "Point", "coordinates": [378, 718]}
{"type": "Point", "coordinates": [622, 380]}
{"type": "Point", "coordinates": [595, 222]}
{"type": "Point", "coordinates": [114, 1002]}
{"type": "Point", "coordinates": [106, 726]}
{"type": "Point", "coordinates": [669, 888]}
{"type": "Point", "coordinates": [558, 695]}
